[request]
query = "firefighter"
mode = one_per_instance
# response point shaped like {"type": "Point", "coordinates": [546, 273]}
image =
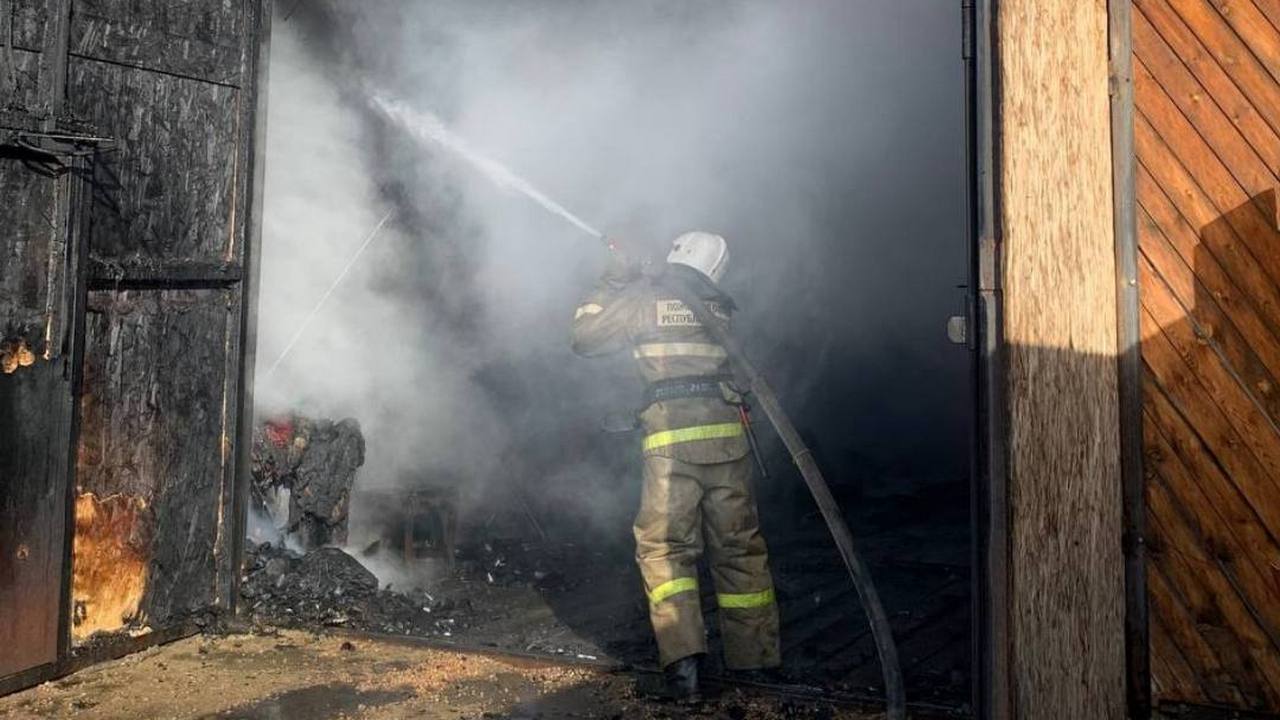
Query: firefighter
{"type": "Point", "coordinates": [697, 465]}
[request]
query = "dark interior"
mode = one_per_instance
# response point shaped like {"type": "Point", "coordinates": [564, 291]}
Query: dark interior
{"type": "Point", "coordinates": [847, 320]}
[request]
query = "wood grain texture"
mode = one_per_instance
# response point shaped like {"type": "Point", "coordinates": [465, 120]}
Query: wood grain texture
{"type": "Point", "coordinates": [1254, 117]}
{"type": "Point", "coordinates": [1170, 666]}
{"type": "Point", "coordinates": [1058, 258]}
{"type": "Point", "coordinates": [1231, 53]}
{"type": "Point", "coordinates": [168, 215]}
{"type": "Point", "coordinates": [200, 39]}
{"type": "Point", "coordinates": [33, 258]}
{"type": "Point", "coordinates": [1207, 90]}
{"type": "Point", "coordinates": [167, 192]}
{"type": "Point", "coordinates": [1218, 241]}
{"type": "Point", "coordinates": [1270, 9]}
{"type": "Point", "coordinates": [33, 23]}
{"type": "Point", "coordinates": [22, 80]}
{"type": "Point", "coordinates": [36, 282]}
{"type": "Point", "coordinates": [156, 430]}
{"type": "Point", "coordinates": [1161, 228]}
{"type": "Point", "coordinates": [1209, 316]}
{"type": "Point", "coordinates": [1254, 30]}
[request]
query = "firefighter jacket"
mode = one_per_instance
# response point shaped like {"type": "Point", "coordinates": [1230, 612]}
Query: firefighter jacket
{"type": "Point", "coordinates": [673, 351]}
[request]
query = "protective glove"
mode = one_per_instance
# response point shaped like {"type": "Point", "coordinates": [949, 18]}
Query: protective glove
{"type": "Point", "coordinates": [622, 267]}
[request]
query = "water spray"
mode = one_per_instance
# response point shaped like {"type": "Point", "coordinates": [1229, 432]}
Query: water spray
{"type": "Point", "coordinates": [425, 126]}
{"type": "Point", "coordinates": [342, 275]}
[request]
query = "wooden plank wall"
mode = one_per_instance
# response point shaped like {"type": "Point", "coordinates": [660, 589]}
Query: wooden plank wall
{"type": "Point", "coordinates": [1207, 140]}
{"type": "Point", "coordinates": [1057, 251]}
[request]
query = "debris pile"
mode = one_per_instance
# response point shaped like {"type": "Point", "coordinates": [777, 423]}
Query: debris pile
{"type": "Point", "coordinates": [311, 463]}
{"type": "Point", "coordinates": [328, 587]}
{"type": "Point", "coordinates": [512, 563]}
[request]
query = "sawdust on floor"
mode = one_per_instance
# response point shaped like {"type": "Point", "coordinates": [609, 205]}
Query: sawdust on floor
{"type": "Point", "coordinates": [295, 674]}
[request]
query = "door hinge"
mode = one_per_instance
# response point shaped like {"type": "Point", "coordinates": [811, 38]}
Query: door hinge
{"type": "Point", "coordinates": [960, 327]}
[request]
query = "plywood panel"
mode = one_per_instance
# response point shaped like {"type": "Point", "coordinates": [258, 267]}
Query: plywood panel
{"type": "Point", "coordinates": [25, 86]}
{"type": "Point", "coordinates": [155, 430]}
{"type": "Point", "coordinates": [168, 191]}
{"type": "Point", "coordinates": [173, 84]}
{"type": "Point", "coordinates": [199, 39]}
{"type": "Point", "coordinates": [36, 288]}
{"type": "Point", "coordinates": [34, 22]}
{"type": "Point", "coordinates": [1058, 252]}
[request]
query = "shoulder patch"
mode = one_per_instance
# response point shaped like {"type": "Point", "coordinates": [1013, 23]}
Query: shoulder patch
{"type": "Point", "coordinates": [673, 313]}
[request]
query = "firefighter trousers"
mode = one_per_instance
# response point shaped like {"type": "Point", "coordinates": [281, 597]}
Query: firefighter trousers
{"type": "Point", "coordinates": [681, 504]}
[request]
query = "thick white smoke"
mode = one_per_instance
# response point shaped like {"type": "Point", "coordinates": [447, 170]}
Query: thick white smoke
{"type": "Point", "coordinates": [372, 352]}
{"type": "Point", "coordinates": [828, 152]}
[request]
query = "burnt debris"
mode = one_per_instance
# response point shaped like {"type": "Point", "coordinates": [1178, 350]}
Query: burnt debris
{"type": "Point", "coordinates": [312, 463]}
{"type": "Point", "coordinates": [490, 596]}
{"type": "Point", "coordinates": [329, 588]}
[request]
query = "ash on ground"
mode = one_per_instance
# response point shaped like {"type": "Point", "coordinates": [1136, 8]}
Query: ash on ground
{"type": "Point", "coordinates": [499, 592]}
{"type": "Point", "coordinates": [327, 587]}
{"type": "Point", "coordinates": [513, 563]}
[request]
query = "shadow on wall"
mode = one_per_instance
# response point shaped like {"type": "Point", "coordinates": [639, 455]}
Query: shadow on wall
{"type": "Point", "coordinates": [1210, 347]}
{"type": "Point", "coordinates": [1211, 408]}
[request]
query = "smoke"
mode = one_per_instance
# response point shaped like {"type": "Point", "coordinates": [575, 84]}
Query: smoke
{"type": "Point", "coordinates": [824, 140]}
{"type": "Point", "coordinates": [376, 350]}
{"type": "Point", "coordinates": [427, 127]}
{"type": "Point", "coordinates": [262, 528]}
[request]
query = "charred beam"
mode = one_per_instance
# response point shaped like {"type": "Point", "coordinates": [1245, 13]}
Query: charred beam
{"type": "Point", "coordinates": [166, 276]}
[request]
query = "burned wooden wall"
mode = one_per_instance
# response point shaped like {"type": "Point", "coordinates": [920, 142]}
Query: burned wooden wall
{"type": "Point", "coordinates": [1065, 585]}
{"type": "Point", "coordinates": [38, 303]}
{"type": "Point", "coordinates": [41, 191]}
{"type": "Point", "coordinates": [174, 84]}
{"type": "Point", "coordinates": [1207, 140]}
{"type": "Point", "coordinates": [168, 246]}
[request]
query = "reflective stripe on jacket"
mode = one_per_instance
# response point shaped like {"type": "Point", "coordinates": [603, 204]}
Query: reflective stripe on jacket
{"type": "Point", "coordinates": [667, 342]}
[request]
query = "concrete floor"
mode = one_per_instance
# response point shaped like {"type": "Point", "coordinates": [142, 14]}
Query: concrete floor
{"type": "Point", "coordinates": [296, 674]}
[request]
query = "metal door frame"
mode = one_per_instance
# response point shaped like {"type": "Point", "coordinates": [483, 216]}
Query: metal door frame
{"type": "Point", "coordinates": [989, 668]}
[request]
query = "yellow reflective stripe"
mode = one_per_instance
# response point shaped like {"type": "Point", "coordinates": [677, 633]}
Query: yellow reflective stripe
{"type": "Point", "coordinates": [672, 587]}
{"type": "Point", "coordinates": [588, 309]}
{"type": "Point", "coordinates": [689, 434]}
{"type": "Point", "coordinates": [746, 600]}
{"type": "Point", "coordinates": [679, 349]}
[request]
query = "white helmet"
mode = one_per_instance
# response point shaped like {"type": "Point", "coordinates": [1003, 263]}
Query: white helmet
{"type": "Point", "coordinates": [705, 252]}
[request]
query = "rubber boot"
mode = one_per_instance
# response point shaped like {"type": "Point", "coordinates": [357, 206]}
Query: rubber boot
{"type": "Point", "coordinates": [682, 679]}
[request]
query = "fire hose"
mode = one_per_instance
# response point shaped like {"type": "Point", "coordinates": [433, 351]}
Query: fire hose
{"type": "Point", "coordinates": [758, 387]}
{"type": "Point", "coordinates": [895, 699]}
{"type": "Point", "coordinates": [427, 127]}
